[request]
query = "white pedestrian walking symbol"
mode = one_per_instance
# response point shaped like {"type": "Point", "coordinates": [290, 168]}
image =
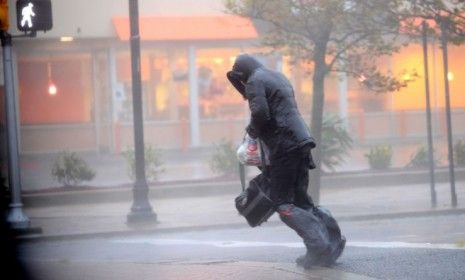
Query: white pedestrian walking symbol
{"type": "Point", "coordinates": [27, 14]}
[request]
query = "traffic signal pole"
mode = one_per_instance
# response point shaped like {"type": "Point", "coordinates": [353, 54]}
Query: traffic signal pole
{"type": "Point", "coordinates": [16, 216]}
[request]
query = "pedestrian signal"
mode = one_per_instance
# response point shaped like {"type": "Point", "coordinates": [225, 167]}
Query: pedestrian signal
{"type": "Point", "coordinates": [34, 15]}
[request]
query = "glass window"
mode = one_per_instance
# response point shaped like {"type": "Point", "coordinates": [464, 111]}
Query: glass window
{"type": "Point", "coordinates": [55, 89]}
{"type": "Point", "coordinates": [217, 97]}
{"type": "Point", "coordinates": [164, 75]}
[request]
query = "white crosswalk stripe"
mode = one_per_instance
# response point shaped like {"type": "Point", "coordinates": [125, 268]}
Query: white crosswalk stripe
{"type": "Point", "coordinates": [242, 244]}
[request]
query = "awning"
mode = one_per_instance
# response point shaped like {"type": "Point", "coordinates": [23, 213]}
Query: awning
{"type": "Point", "coordinates": [188, 28]}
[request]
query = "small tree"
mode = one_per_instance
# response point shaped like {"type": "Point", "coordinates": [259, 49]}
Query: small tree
{"type": "Point", "coordinates": [335, 142]}
{"type": "Point", "coordinates": [380, 157]}
{"type": "Point", "coordinates": [224, 159]}
{"type": "Point", "coordinates": [420, 158]}
{"type": "Point", "coordinates": [70, 170]}
{"type": "Point", "coordinates": [153, 163]}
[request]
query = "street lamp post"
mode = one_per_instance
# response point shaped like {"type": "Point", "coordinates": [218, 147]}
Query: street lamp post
{"type": "Point", "coordinates": [141, 210]}
{"type": "Point", "coordinates": [443, 25]}
{"type": "Point", "coordinates": [428, 117]}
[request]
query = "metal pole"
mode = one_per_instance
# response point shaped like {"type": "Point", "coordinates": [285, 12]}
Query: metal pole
{"type": "Point", "coordinates": [16, 216]}
{"type": "Point", "coordinates": [428, 118]}
{"type": "Point", "coordinates": [141, 211]}
{"type": "Point", "coordinates": [448, 113]}
{"type": "Point", "coordinates": [194, 99]}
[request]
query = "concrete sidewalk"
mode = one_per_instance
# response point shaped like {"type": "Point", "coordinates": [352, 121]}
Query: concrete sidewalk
{"type": "Point", "coordinates": [224, 270]}
{"type": "Point", "coordinates": [89, 220]}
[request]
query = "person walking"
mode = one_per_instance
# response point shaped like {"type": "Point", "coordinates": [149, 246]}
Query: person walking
{"type": "Point", "coordinates": [277, 122]}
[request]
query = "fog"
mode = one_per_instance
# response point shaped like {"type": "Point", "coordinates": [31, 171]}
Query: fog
{"type": "Point", "coordinates": [80, 204]}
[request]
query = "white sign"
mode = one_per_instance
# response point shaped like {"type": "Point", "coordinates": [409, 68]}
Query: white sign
{"type": "Point", "coordinates": [27, 14]}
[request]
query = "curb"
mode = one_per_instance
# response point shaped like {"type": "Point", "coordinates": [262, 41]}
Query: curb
{"type": "Point", "coordinates": [125, 194]}
{"type": "Point", "coordinates": [213, 188]}
{"type": "Point", "coordinates": [389, 177]}
{"type": "Point", "coordinates": [132, 231]}
{"type": "Point", "coordinates": [400, 215]}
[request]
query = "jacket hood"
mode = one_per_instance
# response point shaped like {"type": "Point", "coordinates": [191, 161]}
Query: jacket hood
{"type": "Point", "coordinates": [246, 64]}
{"type": "Point", "coordinates": [242, 69]}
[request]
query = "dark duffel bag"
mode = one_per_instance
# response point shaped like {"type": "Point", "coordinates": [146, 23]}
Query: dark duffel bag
{"type": "Point", "coordinates": [254, 202]}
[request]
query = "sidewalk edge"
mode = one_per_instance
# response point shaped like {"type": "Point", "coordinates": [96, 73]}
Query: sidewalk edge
{"type": "Point", "coordinates": [134, 231]}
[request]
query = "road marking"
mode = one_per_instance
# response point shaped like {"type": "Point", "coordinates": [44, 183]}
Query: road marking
{"type": "Point", "coordinates": [245, 244]}
{"type": "Point", "coordinates": [222, 244]}
{"type": "Point", "coordinates": [405, 245]}
{"type": "Point", "coordinates": [405, 236]}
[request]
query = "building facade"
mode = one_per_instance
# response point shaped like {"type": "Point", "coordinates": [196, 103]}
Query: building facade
{"type": "Point", "coordinates": [186, 49]}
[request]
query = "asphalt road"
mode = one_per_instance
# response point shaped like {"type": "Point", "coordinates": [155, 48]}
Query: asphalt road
{"type": "Point", "coordinates": [408, 248]}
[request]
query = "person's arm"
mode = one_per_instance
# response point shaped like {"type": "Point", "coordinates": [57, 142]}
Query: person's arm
{"type": "Point", "coordinates": [235, 79]}
{"type": "Point", "coordinates": [260, 113]}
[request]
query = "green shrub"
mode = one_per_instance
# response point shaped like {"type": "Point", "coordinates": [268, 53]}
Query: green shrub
{"type": "Point", "coordinates": [70, 170]}
{"type": "Point", "coordinates": [459, 151]}
{"type": "Point", "coordinates": [335, 142]}
{"type": "Point", "coordinates": [420, 158]}
{"type": "Point", "coordinates": [224, 160]}
{"type": "Point", "coordinates": [153, 163]}
{"type": "Point", "coordinates": [380, 157]}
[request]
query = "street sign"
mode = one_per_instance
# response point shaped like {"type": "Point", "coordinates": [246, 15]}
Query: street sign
{"type": "Point", "coordinates": [34, 15]}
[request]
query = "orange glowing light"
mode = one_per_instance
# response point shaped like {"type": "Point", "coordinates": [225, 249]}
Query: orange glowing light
{"type": "Point", "coordinates": [52, 89]}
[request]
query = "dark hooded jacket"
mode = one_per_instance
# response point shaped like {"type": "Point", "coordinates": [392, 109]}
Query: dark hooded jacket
{"type": "Point", "coordinates": [275, 118]}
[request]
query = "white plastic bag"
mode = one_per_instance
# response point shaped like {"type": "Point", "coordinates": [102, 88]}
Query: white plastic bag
{"type": "Point", "coordinates": [248, 152]}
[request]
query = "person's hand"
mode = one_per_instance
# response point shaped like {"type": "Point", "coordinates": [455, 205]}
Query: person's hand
{"type": "Point", "coordinates": [235, 79]}
{"type": "Point", "coordinates": [251, 132]}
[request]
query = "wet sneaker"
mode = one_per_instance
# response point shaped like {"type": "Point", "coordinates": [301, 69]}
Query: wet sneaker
{"type": "Point", "coordinates": [337, 251]}
{"type": "Point", "coordinates": [300, 260]}
{"type": "Point", "coordinates": [306, 261]}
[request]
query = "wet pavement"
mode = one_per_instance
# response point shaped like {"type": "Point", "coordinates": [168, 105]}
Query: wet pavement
{"type": "Point", "coordinates": [218, 211]}
{"type": "Point", "coordinates": [186, 270]}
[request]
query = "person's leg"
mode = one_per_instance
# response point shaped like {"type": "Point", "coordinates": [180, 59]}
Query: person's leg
{"type": "Point", "coordinates": [336, 239]}
{"type": "Point", "coordinates": [285, 176]}
{"type": "Point", "coordinates": [311, 230]}
{"type": "Point", "coordinates": [301, 197]}
{"type": "Point", "coordinates": [283, 173]}
{"type": "Point", "coordinates": [304, 201]}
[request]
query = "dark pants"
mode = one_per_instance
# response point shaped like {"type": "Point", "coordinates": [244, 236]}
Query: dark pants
{"type": "Point", "coordinates": [289, 178]}
{"type": "Point", "coordinates": [288, 174]}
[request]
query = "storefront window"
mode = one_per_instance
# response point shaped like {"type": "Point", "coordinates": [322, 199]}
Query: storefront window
{"type": "Point", "coordinates": [165, 85]}
{"type": "Point", "coordinates": [55, 89]}
{"type": "Point", "coordinates": [164, 75]}
{"type": "Point", "coordinates": [218, 99]}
